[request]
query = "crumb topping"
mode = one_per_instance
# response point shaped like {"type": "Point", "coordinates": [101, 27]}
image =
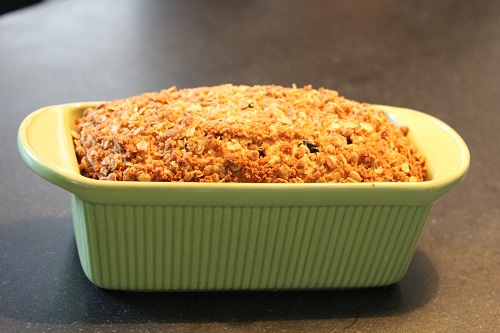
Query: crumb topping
{"type": "Point", "coordinates": [229, 133]}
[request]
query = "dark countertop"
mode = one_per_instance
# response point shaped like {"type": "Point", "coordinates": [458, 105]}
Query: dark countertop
{"type": "Point", "coordinates": [440, 57]}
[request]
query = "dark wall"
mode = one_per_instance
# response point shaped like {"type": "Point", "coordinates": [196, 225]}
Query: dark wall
{"type": "Point", "coordinates": [11, 5]}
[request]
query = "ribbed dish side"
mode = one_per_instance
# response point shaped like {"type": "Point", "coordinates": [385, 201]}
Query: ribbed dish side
{"type": "Point", "coordinates": [230, 248]}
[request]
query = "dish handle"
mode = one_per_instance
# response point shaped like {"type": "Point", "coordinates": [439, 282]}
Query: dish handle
{"type": "Point", "coordinates": [45, 143]}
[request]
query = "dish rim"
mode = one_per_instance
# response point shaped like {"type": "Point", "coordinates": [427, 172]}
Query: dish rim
{"type": "Point", "coordinates": [71, 180]}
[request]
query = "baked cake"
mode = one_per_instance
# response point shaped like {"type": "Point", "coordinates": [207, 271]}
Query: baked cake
{"type": "Point", "coordinates": [238, 133]}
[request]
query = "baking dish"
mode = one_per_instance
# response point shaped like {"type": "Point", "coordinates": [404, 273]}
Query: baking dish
{"type": "Point", "coordinates": [229, 236]}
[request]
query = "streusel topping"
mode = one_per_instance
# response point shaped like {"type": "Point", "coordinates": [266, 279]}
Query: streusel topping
{"type": "Point", "coordinates": [229, 133]}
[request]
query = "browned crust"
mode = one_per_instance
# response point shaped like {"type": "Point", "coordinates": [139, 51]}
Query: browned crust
{"type": "Point", "coordinates": [244, 134]}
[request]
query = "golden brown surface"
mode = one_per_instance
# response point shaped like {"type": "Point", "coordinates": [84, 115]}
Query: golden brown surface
{"type": "Point", "coordinates": [244, 134]}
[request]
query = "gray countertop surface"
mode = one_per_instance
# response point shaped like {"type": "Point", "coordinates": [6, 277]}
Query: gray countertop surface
{"type": "Point", "coordinates": [439, 57]}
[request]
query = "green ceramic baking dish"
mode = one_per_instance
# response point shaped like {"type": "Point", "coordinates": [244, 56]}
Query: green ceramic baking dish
{"type": "Point", "coordinates": [199, 236]}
